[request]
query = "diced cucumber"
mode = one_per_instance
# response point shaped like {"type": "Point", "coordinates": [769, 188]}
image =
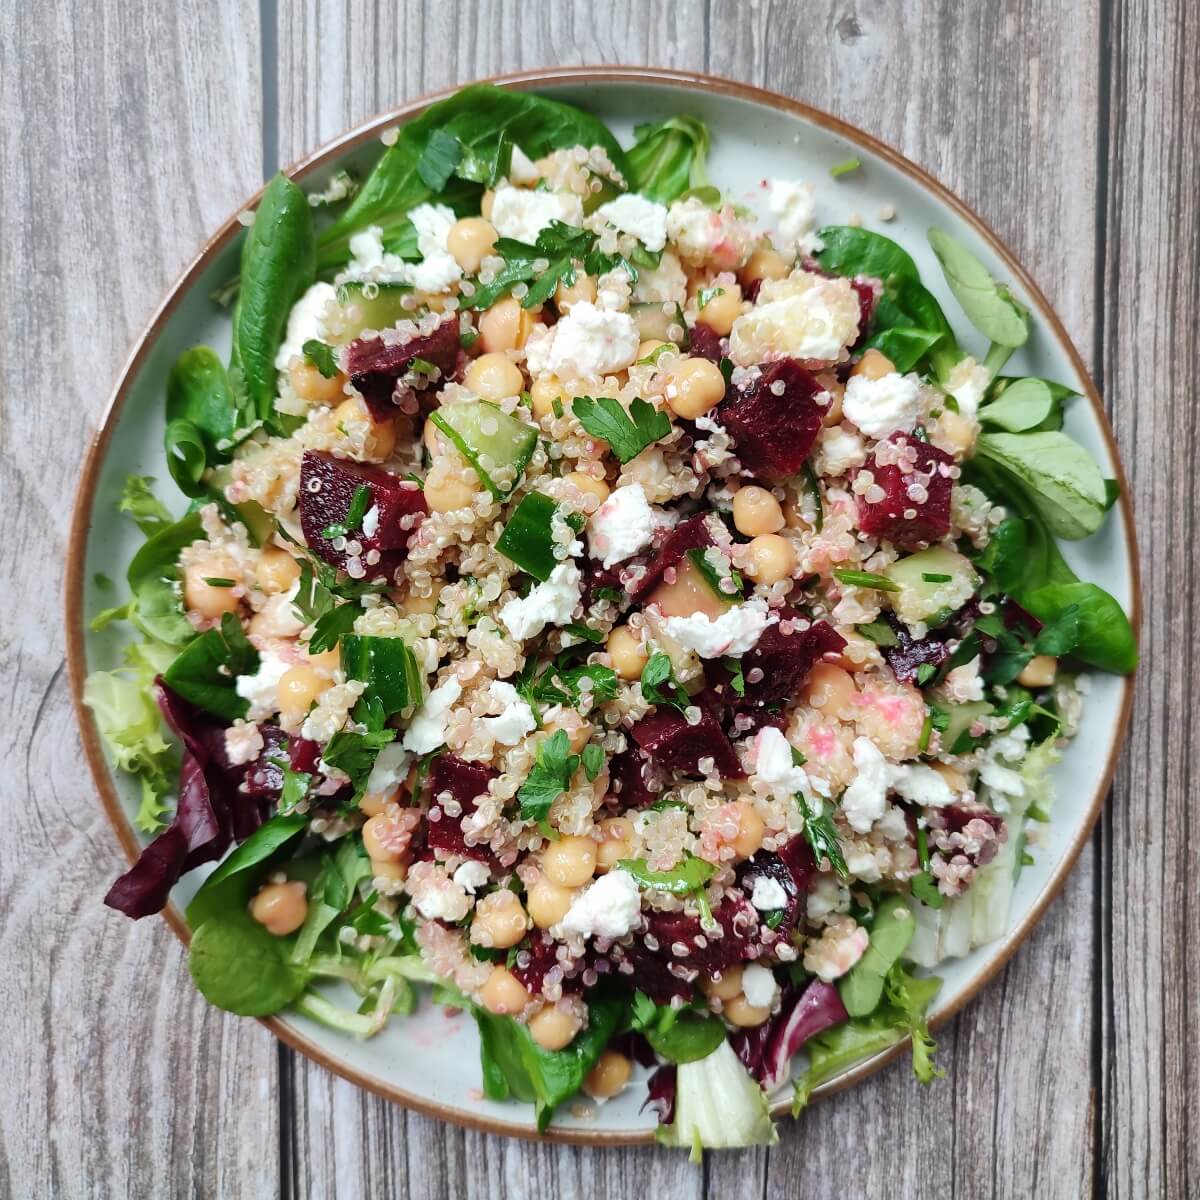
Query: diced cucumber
{"type": "Point", "coordinates": [497, 445]}
{"type": "Point", "coordinates": [259, 523]}
{"type": "Point", "coordinates": [528, 538]}
{"type": "Point", "coordinates": [956, 737]}
{"type": "Point", "coordinates": [364, 306]}
{"type": "Point", "coordinates": [933, 584]}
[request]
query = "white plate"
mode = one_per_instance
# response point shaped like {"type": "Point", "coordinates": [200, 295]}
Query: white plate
{"type": "Point", "coordinates": [430, 1061]}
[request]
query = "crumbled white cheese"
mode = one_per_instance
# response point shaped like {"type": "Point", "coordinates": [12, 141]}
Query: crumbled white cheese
{"type": "Point", "coordinates": [881, 406]}
{"type": "Point", "coordinates": [802, 316]}
{"type": "Point", "coordinates": [775, 765]}
{"type": "Point", "coordinates": [261, 689]}
{"type": "Point", "coordinates": [445, 900]}
{"type": "Point", "coordinates": [633, 214]}
{"type": "Point", "coordinates": [589, 342]}
{"type": "Point", "coordinates": [703, 235]}
{"type": "Point", "coordinates": [664, 284]}
{"type": "Point", "coordinates": [549, 603]}
{"type": "Point", "coordinates": [735, 631]}
{"type": "Point", "coordinates": [433, 223]}
{"type": "Point", "coordinates": [768, 894]}
{"type": "Point", "coordinates": [521, 169]}
{"type": "Point", "coordinates": [609, 908]}
{"type": "Point", "coordinates": [243, 742]}
{"type": "Point", "coordinates": [516, 718]}
{"type": "Point", "coordinates": [389, 770]}
{"type": "Point", "coordinates": [427, 730]}
{"type": "Point", "coordinates": [305, 323]}
{"type": "Point", "coordinates": [828, 896]}
{"type": "Point", "coordinates": [370, 521]}
{"type": "Point", "coordinates": [759, 986]}
{"type": "Point", "coordinates": [864, 801]}
{"type": "Point", "coordinates": [437, 272]}
{"type": "Point", "coordinates": [622, 525]}
{"type": "Point", "coordinates": [838, 451]}
{"type": "Point", "coordinates": [793, 205]}
{"type": "Point", "coordinates": [472, 875]}
{"type": "Point", "coordinates": [921, 785]}
{"type": "Point", "coordinates": [278, 618]}
{"type": "Point", "coordinates": [1000, 779]}
{"type": "Point", "coordinates": [523, 214]}
{"type": "Point", "coordinates": [967, 383]}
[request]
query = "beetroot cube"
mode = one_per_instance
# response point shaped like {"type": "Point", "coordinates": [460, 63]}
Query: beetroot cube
{"type": "Point", "coordinates": [775, 419]}
{"type": "Point", "coordinates": [707, 343]}
{"type": "Point", "coordinates": [537, 956]}
{"type": "Point", "coordinates": [674, 745]}
{"type": "Point", "coordinates": [327, 488]}
{"type": "Point", "coordinates": [792, 867]}
{"type": "Point", "coordinates": [630, 780]}
{"type": "Point", "coordinates": [374, 365]}
{"type": "Point", "coordinates": [784, 655]}
{"type": "Point", "coordinates": [692, 534]}
{"type": "Point", "coordinates": [914, 478]}
{"type": "Point", "coordinates": [466, 782]}
{"type": "Point", "coordinates": [909, 654]}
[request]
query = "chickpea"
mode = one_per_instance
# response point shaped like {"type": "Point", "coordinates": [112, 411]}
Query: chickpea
{"type": "Point", "coordinates": [377, 835]}
{"type": "Point", "coordinates": [486, 202]}
{"type": "Point", "coordinates": [650, 347]}
{"type": "Point", "coordinates": [578, 730]}
{"type": "Point", "coordinates": [552, 1028]}
{"type": "Point", "coordinates": [280, 907]}
{"type": "Point", "coordinates": [392, 872]}
{"type": "Point", "coordinates": [326, 661]}
{"type": "Point", "coordinates": [873, 365]}
{"type": "Point", "coordinates": [721, 311]}
{"type": "Point", "coordinates": [955, 779]}
{"type": "Point", "coordinates": [380, 438]}
{"type": "Point", "coordinates": [617, 843]}
{"type": "Point", "coordinates": [415, 605]}
{"type": "Point", "coordinates": [687, 595]}
{"type": "Point", "coordinates": [470, 241]}
{"type": "Point", "coordinates": [500, 920]}
{"type": "Point", "coordinates": [494, 377]}
{"type": "Point", "coordinates": [543, 393]}
{"type": "Point", "coordinates": [609, 1075]}
{"type": "Point", "coordinates": [505, 326]}
{"type": "Point", "coordinates": [313, 388]}
{"type": "Point", "coordinates": [589, 485]}
{"type": "Point", "coordinates": [1039, 671]}
{"type": "Point", "coordinates": [298, 687]}
{"type": "Point", "coordinates": [772, 558]}
{"type": "Point", "coordinates": [756, 511]}
{"type": "Point", "coordinates": [955, 433]}
{"type": "Point", "coordinates": [739, 1011]}
{"type": "Point", "coordinates": [765, 263]}
{"type": "Point", "coordinates": [830, 689]}
{"type": "Point", "coordinates": [833, 410]}
{"type": "Point", "coordinates": [548, 903]}
{"type": "Point", "coordinates": [450, 485]}
{"type": "Point", "coordinates": [373, 803]}
{"type": "Point", "coordinates": [750, 830]}
{"type": "Point", "coordinates": [627, 653]}
{"type": "Point", "coordinates": [503, 992]}
{"type": "Point", "coordinates": [210, 600]}
{"type": "Point", "coordinates": [724, 988]}
{"type": "Point", "coordinates": [566, 296]}
{"type": "Point", "coordinates": [276, 570]}
{"type": "Point", "coordinates": [693, 387]}
{"type": "Point", "coordinates": [570, 862]}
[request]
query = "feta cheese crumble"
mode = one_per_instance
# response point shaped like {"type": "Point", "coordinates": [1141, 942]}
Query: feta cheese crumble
{"type": "Point", "coordinates": [427, 730]}
{"type": "Point", "coordinates": [589, 342]}
{"type": "Point", "coordinates": [865, 801]}
{"type": "Point", "coordinates": [609, 908]}
{"type": "Point", "coordinates": [776, 767]}
{"type": "Point", "coordinates": [523, 214]}
{"type": "Point", "coordinates": [967, 383]}
{"type": "Point", "coordinates": [881, 406]}
{"type": "Point", "coordinates": [549, 603]}
{"type": "Point", "coordinates": [304, 323]}
{"type": "Point", "coordinates": [793, 205]}
{"type": "Point", "coordinates": [622, 525]}
{"type": "Point", "coordinates": [516, 718]}
{"type": "Point", "coordinates": [472, 875]}
{"type": "Point", "coordinates": [634, 214]}
{"type": "Point", "coordinates": [759, 986]}
{"type": "Point", "coordinates": [735, 631]}
{"type": "Point", "coordinates": [261, 689]}
{"type": "Point", "coordinates": [389, 770]}
{"type": "Point", "coordinates": [768, 894]}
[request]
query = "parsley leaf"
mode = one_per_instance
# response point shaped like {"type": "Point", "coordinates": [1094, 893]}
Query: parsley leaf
{"type": "Point", "coordinates": [687, 879]}
{"type": "Point", "coordinates": [822, 836]}
{"type": "Point", "coordinates": [321, 356]}
{"type": "Point", "coordinates": [925, 889]}
{"type": "Point", "coordinates": [355, 753]}
{"type": "Point", "coordinates": [330, 626]}
{"type": "Point", "coordinates": [659, 685]}
{"type": "Point", "coordinates": [737, 679]}
{"type": "Point", "coordinates": [593, 761]}
{"type": "Point", "coordinates": [628, 433]}
{"type": "Point", "coordinates": [549, 777]}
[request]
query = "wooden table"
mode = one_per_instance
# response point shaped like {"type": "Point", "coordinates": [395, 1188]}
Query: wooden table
{"type": "Point", "coordinates": [130, 130]}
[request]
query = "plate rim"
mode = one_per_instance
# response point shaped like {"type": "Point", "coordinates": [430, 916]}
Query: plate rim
{"type": "Point", "coordinates": [527, 80]}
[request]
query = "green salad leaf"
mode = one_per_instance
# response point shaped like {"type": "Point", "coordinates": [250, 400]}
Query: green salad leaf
{"type": "Point", "coordinates": [387, 666]}
{"type": "Point", "coordinates": [200, 418]}
{"type": "Point", "coordinates": [156, 583]}
{"type": "Point", "coordinates": [891, 931]}
{"type": "Point", "coordinates": [205, 673]}
{"type": "Point", "coordinates": [668, 158]}
{"type": "Point", "coordinates": [989, 305]}
{"type": "Point", "coordinates": [240, 967]}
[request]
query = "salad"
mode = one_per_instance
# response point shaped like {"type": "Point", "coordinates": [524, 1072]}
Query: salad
{"type": "Point", "coordinates": [611, 606]}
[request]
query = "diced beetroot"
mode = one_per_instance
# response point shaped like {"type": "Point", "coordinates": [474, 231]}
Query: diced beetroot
{"type": "Point", "coordinates": [792, 867]}
{"type": "Point", "coordinates": [707, 343]}
{"type": "Point", "coordinates": [327, 487]}
{"type": "Point", "coordinates": [674, 745]}
{"type": "Point", "coordinates": [971, 831]}
{"type": "Point", "coordinates": [537, 955]}
{"type": "Point", "coordinates": [898, 517]}
{"type": "Point", "coordinates": [374, 365]}
{"type": "Point", "coordinates": [631, 779]}
{"type": "Point", "coordinates": [662, 972]}
{"type": "Point", "coordinates": [264, 776]}
{"type": "Point", "coordinates": [303, 755]}
{"type": "Point", "coordinates": [774, 427]}
{"type": "Point", "coordinates": [466, 782]}
{"type": "Point", "coordinates": [868, 290]}
{"type": "Point", "coordinates": [595, 577]}
{"type": "Point", "coordinates": [692, 534]}
{"type": "Point", "coordinates": [909, 654]}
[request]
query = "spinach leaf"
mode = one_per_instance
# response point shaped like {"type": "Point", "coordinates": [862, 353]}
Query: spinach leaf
{"type": "Point", "coordinates": [989, 306]}
{"type": "Point", "coordinates": [679, 1035]}
{"type": "Point", "coordinates": [240, 967]}
{"type": "Point", "coordinates": [668, 158]}
{"type": "Point", "coordinates": [198, 393]}
{"type": "Point", "coordinates": [1003, 558]}
{"type": "Point", "coordinates": [515, 1065]}
{"type": "Point", "coordinates": [205, 673]}
{"type": "Point", "coordinates": [478, 118]}
{"type": "Point", "coordinates": [154, 580]}
{"type": "Point", "coordinates": [278, 263]}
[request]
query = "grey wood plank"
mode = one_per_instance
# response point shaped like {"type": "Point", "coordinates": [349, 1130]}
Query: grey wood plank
{"type": "Point", "coordinates": [1151, 837]}
{"type": "Point", "coordinates": [122, 146]}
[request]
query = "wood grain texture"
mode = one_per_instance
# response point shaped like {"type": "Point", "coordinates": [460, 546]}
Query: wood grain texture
{"type": "Point", "coordinates": [1149, 307]}
{"type": "Point", "coordinates": [1070, 128]}
{"type": "Point", "coordinates": [119, 1079]}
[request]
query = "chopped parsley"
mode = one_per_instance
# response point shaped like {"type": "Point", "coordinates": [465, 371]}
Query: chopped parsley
{"type": "Point", "coordinates": [822, 836]}
{"type": "Point", "coordinates": [321, 356]}
{"type": "Point", "coordinates": [715, 568]}
{"type": "Point", "coordinates": [217, 582]}
{"type": "Point", "coordinates": [704, 295]}
{"type": "Point", "coordinates": [925, 672]}
{"type": "Point", "coordinates": [688, 879]}
{"type": "Point", "coordinates": [925, 889]}
{"type": "Point", "coordinates": [659, 685]}
{"type": "Point", "coordinates": [879, 633]}
{"type": "Point", "coordinates": [737, 679]}
{"type": "Point", "coordinates": [628, 433]}
{"type": "Point", "coordinates": [935, 577]}
{"type": "Point", "coordinates": [549, 777]}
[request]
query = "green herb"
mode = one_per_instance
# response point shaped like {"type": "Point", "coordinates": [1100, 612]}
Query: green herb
{"type": "Point", "coordinates": [549, 777]}
{"type": "Point", "coordinates": [102, 581]}
{"type": "Point", "coordinates": [864, 579]}
{"type": "Point", "coordinates": [278, 263]}
{"type": "Point", "coordinates": [879, 633]}
{"type": "Point", "coordinates": [659, 685]}
{"type": "Point", "coordinates": [822, 836]}
{"type": "Point", "coordinates": [651, 359]}
{"type": "Point", "coordinates": [737, 679]}
{"type": "Point", "coordinates": [715, 567]}
{"type": "Point", "coordinates": [331, 626]}
{"type": "Point", "coordinates": [321, 356]}
{"type": "Point", "coordinates": [925, 672]}
{"type": "Point", "coordinates": [355, 753]}
{"type": "Point", "coordinates": [925, 888]}
{"type": "Point", "coordinates": [687, 879]}
{"type": "Point", "coordinates": [704, 295]}
{"type": "Point", "coordinates": [592, 759]}
{"type": "Point", "coordinates": [628, 433]}
{"type": "Point", "coordinates": [584, 633]}
{"type": "Point", "coordinates": [205, 673]}
{"type": "Point", "coordinates": [935, 577]}
{"type": "Point", "coordinates": [669, 158]}
{"type": "Point", "coordinates": [844, 168]}
{"type": "Point", "coordinates": [678, 1035]}
{"type": "Point", "coordinates": [556, 407]}
{"type": "Point", "coordinates": [295, 787]}
{"type": "Point", "coordinates": [560, 683]}
{"type": "Point", "coordinates": [360, 502]}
